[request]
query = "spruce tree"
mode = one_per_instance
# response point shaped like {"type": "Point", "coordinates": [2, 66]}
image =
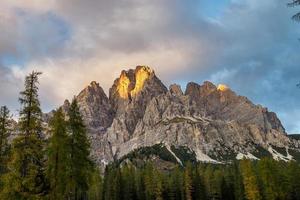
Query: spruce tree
{"type": "Point", "coordinates": [58, 156]}
{"type": "Point", "coordinates": [80, 163]}
{"type": "Point", "coordinates": [25, 180]}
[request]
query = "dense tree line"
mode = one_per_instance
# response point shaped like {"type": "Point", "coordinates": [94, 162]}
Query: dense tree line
{"type": "Point", "coordinates": [265, 179]}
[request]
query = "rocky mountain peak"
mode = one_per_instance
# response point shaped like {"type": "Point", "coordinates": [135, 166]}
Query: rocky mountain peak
{"type": "Point", "coordinates": [134, 84]}
{"type": "Point", "coordinates": [95, 107]}
{"type": "Point", "coordinates": [195, 90]}
{"type": "Point", "coordinates": [131, 93]}
{"type": "Point", "coordinates": [175, 90]}
{"type": "Point", "coordinates": [92, 89]}
{"type": "Point", "coordinates": [131, 82]}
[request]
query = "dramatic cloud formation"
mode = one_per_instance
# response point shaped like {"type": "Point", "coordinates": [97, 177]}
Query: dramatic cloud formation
{"type": "Point", "coordinates": [251, 45]}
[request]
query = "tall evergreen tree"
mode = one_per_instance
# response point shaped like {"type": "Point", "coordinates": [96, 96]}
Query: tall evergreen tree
{"type": "Point", "coordinates": [25, 179]}
{"type": "Point", "coordinates": [58, 156]}
{"type": "Point", "coordinates": [95, 185]}
{"type": "Point", "coordinates": [80, 163]}
{"type": "Point", "coordinates": [4, 145]}
{"type": "Point", "coordinates": [4, 134]}
{"type": "Point", "coordinates": [293, 173]}
{"type": "Point", "coordinates": [188, 187]}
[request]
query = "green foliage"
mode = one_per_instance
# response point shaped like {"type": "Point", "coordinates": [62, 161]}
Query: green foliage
{"type": "Point", "coordinates": [249, 180]}
{"type": "Point", "coordinates": [95, 185]}
{"type": "Point", "coordinates": [265, 179]}
{"type": "Point", "coordinates": [80, 164]}
{"type": "Point", "coordinates": [295, 153]}
{"type": "Point", "coordinates": [25, 179]}
{"type": "Point", "coordinates": [58, 156]}
{"type": "Point", "coordinates": [261, 152]}
{"type": "Point", "coordinates": [146, 152]}
{"type": "Point", "coordinates": [4, 145]}
{"type": "Point", "coordinates": [184, 154]}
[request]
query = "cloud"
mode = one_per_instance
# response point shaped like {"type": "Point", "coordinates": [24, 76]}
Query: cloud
{"type": "Point", "coordinates": [250, 45]}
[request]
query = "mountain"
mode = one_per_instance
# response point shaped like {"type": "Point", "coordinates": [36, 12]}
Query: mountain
{"type": "Point", "coordinates": [205, 123]}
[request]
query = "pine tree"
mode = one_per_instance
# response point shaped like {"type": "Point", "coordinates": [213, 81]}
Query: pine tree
{"type": "Point", "coordinates": [128, 182]}
{"type": "Point", "coordinates": [4, 134]}
{"type": "Point", "coordinates": [80, 163]}
{"type": "Point", "coordinates": [177, 184]}
{"type": "Point", "coordinates": [188, 187]}
{"type": "Point", "coordinates": [199, 190]}
{"type": "Point", "coordinates": [58, 156]}
{"type": "Point", "coordinates": [149, 182]}
{"type": "Point", "coordinates": [95, 185]}
{"type": "Point", "coordinates": [293, 174]}
{"type": "Point", "coordinates": [4, 146]}
{"type": "Point", "coordinates": [25, 179]}
{"type": "Point", "coordinates": [158, 185]}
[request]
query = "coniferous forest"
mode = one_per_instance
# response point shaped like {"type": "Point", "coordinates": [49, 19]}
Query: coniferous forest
{"type": "Point", "coordinates": [34, 165]}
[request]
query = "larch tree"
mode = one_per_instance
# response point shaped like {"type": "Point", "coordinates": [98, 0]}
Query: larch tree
{"type": "Point", "coordinates": [250, 181]}
{"type": "Point", "coordinates": [25, 179]}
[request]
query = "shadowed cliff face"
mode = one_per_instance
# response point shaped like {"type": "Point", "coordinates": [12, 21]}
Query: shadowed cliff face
{"type": "Point", "coordinates": [95, 107]}
{"type": "Point", "coordinates": [211, 121]}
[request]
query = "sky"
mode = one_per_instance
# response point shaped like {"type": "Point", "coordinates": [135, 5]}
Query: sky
{"type": "Point", "coordinates": [250, 45]}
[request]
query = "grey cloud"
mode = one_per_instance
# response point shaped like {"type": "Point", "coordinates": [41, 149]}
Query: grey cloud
{"type": "Point", "coordinates": [252, 46]}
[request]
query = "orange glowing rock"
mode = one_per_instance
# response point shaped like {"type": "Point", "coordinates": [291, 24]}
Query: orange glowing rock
{"type": "Point", "coordinates": [222, 87]}
{"type": "Point", "coordinates": [123, 85]}
{"type": "Point", "coordinates": [128, 86]}
{"type": "Point", "coordinates": [141, 75]}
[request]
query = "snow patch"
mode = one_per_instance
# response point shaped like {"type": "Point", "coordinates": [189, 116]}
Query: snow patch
{"type": "Point", "coordinates": [104, 162]}
{"type": "Point", "coordinates": [169, 149]}
{"type": "Point", "coordinates": [289, 156]}
{"type": "Point", "coordinates": [205, 158]}
{"type": "Point", "coordinates": [250, 156]}
{"type": "Point", "coordinates": [278, 156]}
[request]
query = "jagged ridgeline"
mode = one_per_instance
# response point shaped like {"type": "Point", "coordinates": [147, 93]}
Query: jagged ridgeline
{"type": "Point", "coordinates": [205, 123]}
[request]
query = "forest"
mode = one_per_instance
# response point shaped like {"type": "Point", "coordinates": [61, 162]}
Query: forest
{"type": "Point", "coordinates": [53, 162]}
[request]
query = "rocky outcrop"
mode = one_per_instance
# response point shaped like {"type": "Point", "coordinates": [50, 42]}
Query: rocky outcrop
{"type": "Point", "coordinates": [212, 121]}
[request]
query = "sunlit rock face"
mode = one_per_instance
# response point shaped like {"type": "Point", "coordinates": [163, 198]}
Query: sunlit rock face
{"type": "Point", "coordinates": [132, 82]}
{"type": "Point", "coordinates": [123, 86]}
{"type": "Point", "coordinates": [222, 87]}
{"type": "Point", "coordinates": [142, 74]}
{"type": "Point", "coordinates": [131, 93]}
{"type": "Point", "coordinates": [209, 120]}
